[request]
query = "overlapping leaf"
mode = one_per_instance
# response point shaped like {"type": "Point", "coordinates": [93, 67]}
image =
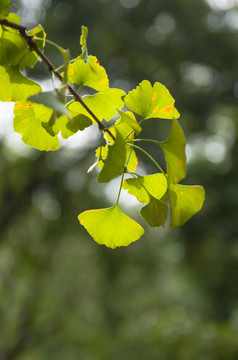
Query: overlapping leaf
{"type": "Point", "coordinates": [185, 202]}
{"type": "Point", "coordinates": [174, 150]}
{"type": "Point", "coordinates": [114, 164]}
{"type": "Point", "coordinates": [14, 86]}
{"type": "Point", "coordinates": [131, 158]}
{"type": "Point", "coordinates": [144, 186]}
{"type": "Point", "coordinates": [151, 102]}
{"type": "Point", "coordinates": [103, 104]}
{"type": "Point", "coordinates": [52, 99]}
{"type": "Point", "coordinates": [111, 227]}
{"type": "Point", "coordinates": [27, 122]}
{"type": "Point", "coordinates": [155, 212]}
{"type": "Point", "coordinates": [14, 49]}
{"type": "Point", "coordinates": [89, 73]}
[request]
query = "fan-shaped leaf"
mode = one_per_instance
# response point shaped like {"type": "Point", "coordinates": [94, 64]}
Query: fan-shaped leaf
{"type": "Point", "coordinates": [174, 150]}
{"type": "Point", "coordinates": [185, 202]}
{"type": "Point", "coordinates": [14, 86]}
{"type": "Point", "coordinates": [111, 227]}
{"type": "Point", "coordinates": [90, 74]}
{"type": "Point", "coordinates": [102, 104]}
{"type": "Point", "coordinates": [155, 213]}
{"type": "Point", "coordinates": [27, 122]}
{"type": "Point", "coordinates": [144, 186]}
{"type": "Point", "coordinates": [151, 102]}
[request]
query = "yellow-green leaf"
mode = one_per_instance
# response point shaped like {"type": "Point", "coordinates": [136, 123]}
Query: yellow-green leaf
{"type": "Point", "coordinates": [14, 86]}
{"type": "Point", "coordinates": [151, 102]}
{"type": "Point", "coordinates": [185, 202]}
{"type": "Point", "coordinates": [111, 227]}
{"type": "Point", "coordinates": [114, 164]}
{"type": "Point", "coordinates": [90, 74]}
{"type": "Point", "coordinates": [144, 186]}
{"type": "Point", "coordinates": [155, 213]}
{"type": "Point", "coordinates": [28, 122]}
{"type": "Point", "coordinates": [102, 104]}
{"type": "Point", "coordinates": [174, 150]}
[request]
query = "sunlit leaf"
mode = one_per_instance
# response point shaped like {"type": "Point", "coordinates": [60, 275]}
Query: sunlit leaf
{"type": "Point", "coordinates": [144, 186]}
{"type": "Point", "coordinates": [90, 74]}
{"type": "Point", "coordinates": [28, 122]}
{"type": "Point", "coordinates": [31, 57]}
{"type": "Point", "coordinates": [131, 159]}
{"type": "Point", "coordinates": [102, 104]}
{"type": "Point", "coordinates": [111, 227]}
{"type": "Point", "coordinates": [14, 86]}
{"type": "Point", "coordinates": [185, 201]}
{"type": "Point", "coordinates": [12, 47]}
{"type": "Point", "coordinates": [114, 164]}
{"type": "Point", "coordinates": [128, 120]}
{"type": "Point", "coordinates": [78, 122]}
{"type": "Point", "coordinates": [151, 102]}
{"type": "Point", "coordinates": [174, 150]}
{"type": "Point", "coordinates": [155, 213]}
{"type": "Point", "coordinates": [52, 99]}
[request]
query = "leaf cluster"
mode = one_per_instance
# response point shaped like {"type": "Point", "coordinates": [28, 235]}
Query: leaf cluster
{"type": "Point", "coordinates": [41, 116]}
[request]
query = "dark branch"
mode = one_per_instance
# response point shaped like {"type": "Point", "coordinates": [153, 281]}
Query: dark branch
{"type": "Point", "coordinates": [33, 47]}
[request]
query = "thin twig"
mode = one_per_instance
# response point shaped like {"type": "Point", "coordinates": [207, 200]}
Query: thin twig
{"type": "Point", "coordinates": [33, 47]}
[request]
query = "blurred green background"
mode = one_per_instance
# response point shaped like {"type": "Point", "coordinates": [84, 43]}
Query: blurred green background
{"type": "Point", "coordinates": [172, 295]}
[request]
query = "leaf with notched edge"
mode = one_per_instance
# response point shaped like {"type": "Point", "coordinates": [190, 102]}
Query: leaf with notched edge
{"type": "Point", "coordinates": [111, 227]}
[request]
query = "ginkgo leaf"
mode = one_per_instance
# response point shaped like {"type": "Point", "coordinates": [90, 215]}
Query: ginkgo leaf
{"type": "Point", "coordinates": [127, 119]}
{"type": "Point", "coordinates": [52, 99]}
{"type": "Point", "coordinates": [131, 159]}
{"type": "Point", "coordinates": [78, 122]}
{"type": "Point", "coordinates": [83, 43]}
{"type": "Point", "coordinates": [174, 150]}
{"type": "Point", "coordinates": [14, 86]}
{"type": "Point", "coordinates": [12, 47]}
{"type": "Point", "coordinates": [111, 227]}
{"type": "Point", "coordinates": [102, 104]}
{"type": "Point", "coordinates": [151, 102]}
{"type": "Point", "coordinates": [185, 201]}
{"type": "Point", "coordinates": [30, 58]}
{"type": "Point", "coordinates": [90, 74]}
{"type": "Point", "coordinates": [114, 164]}
{"type": "Point", "coordinates": [28, 123]}
{"type": "Point", "coordinates": [155, 213]}
{"type": "Point", "coordinates": [144, 186]}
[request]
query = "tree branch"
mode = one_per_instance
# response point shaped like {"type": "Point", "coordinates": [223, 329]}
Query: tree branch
{"type": "Point", "coordinates": [33, 47]}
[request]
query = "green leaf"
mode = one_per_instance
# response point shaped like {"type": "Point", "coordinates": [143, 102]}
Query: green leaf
{"type": "Point", "coordinates": [111, 227]}
{"type": "Point", "coordinates": [90, 74]}
{"type": "Point", "coordinates": [13, 18]}
{"type": "Point", "coordinates": [174, 150]}
{"type": "Point", "coordinates": [28, 122]}
{"type": "Point", "coordinates": [185, 201]}
{"type": "Point", "coordinates": [14, 86]}
{"type": "Point", "coordinates": [133, 161]}
{"type": "Point", "coordinates": [30, 58]}
{"type": "Point", "coordinates": [114, 164]}
{"type": "Point", "coordinates": [102, 104]}
{"type": "Point", "coordinates": [151, 102]}
{"type": "Point", "coordinates": [4, 8]}
{"type": "Point", "coordinates": [83, 43]}
{"type": "Point", "coordinates": [128, 120]}
{"type": "Point", "coordinates": [144, 186]}
{"type": "Point", "coordinates": [12, 47]}
{"type": "Point", "coordinates": [78, 122]}
{"type": "Point", "coordinates": [155, 213]}
{"type": "Point", "coordinates": [52, 99]}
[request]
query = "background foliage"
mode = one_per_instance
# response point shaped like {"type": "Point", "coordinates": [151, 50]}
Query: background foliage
{"type": "Point", "coordinates": [172, 294]}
